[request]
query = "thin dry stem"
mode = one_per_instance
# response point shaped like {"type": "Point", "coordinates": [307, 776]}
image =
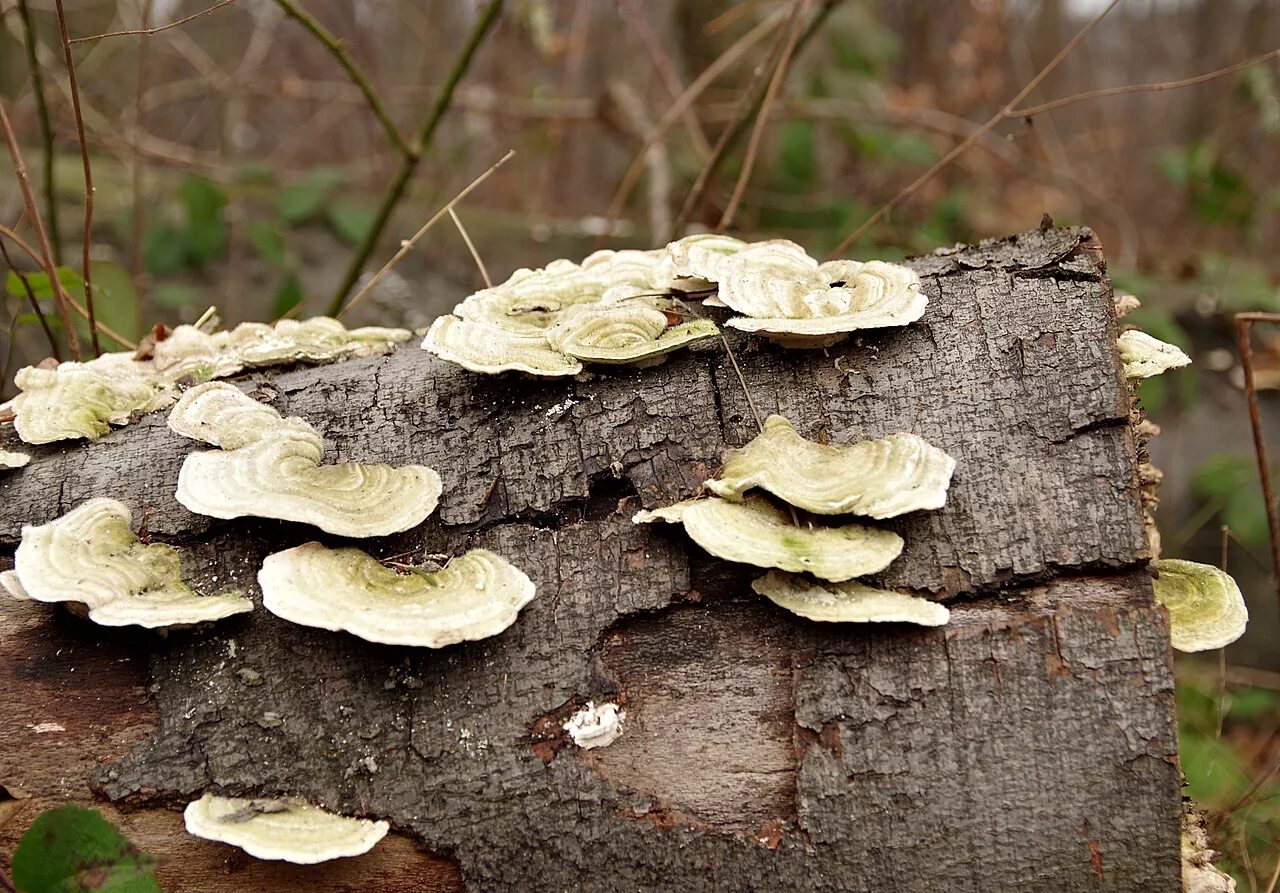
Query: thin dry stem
{"type": "Point", "coordinates": [667, 72]}
{"type": "Point", "coordinates": [85, 273]}
{"type": "Point", "coordinates": [488, 16]}
{"type": "Point", "coordinates": [910, 190]}
{"type": "Point", "coordinates": [31, 299]}
{"type": "Point", "coordinates": [407, 245]}
{"type": "Point", "coordinates": [1244, 330]}
{"type": "Point", "coordinates": [757, 130]}
{"type": "Point", "coordinates": [147, 32]}
{"type": "Point", "coordinates": [45, 259]}
{"type": "Point", "coordinates": [1158, 87]}
{"type": "Point", "coordinates": [471, 246]}
{"type": "Point", "coordinates": [46, 128]}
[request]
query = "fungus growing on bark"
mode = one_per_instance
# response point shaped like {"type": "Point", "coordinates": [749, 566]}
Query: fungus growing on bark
{"type": "Point", "coordinates": [83, 400]}
{"type": "Point", "coordinates": [596, 725]}
{"type": "Point", "coordinates": [876, 478]}
{"type": "Point", "coordinates": [90, 556]}
{"type": "Point", "coordinates": [1145, 357]}
{"type": "Point", "coordinates": [475, 596]}
{"type": "Point", "coordinates": [756, 533]}
{"type": "Point", "coordinates": [1206, 608]}
{"type": "Point", "coordinates": [622, 332]}
{"type": "Point", "coordinates": [269, 467]}
{"type": "Point", "coordinates": [481, 347]}
{"type": "Point", "coordinates": [848, 602]}
{"type": "Point", "coordinates": [703, 255]}
{"type": "Point", "coordinates": [290, 830]}
{"type": "Point", "coordinates": [10, 460]}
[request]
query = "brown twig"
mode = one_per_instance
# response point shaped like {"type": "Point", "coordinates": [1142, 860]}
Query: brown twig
{"type": "Point", "coordinates": [962, 147]}
{"type": "Point", "coordinates": [147, 32]}
{"type": "Point", "coordinates": [31, 299]}
{"type": "Point", "coordinates": [407, 245]}
{"type": "Point", "coordinates": [1158, 87]}
{"type": "Point", "coordinates": [471, 246]}
{"type": "Point", "coordinates": [687, 98]}
{"type": "Point", "coordinates": [762, 118]}
{"type": "Point", "coordinates": [339, 51]}
{"type": "Point", "coordinates": [46, 128]}
{"type": "Point", "coordinates": [85, 273]}
{"type": "Point", "coordinates": [752, 100]}
{"type": "Point", "coordinates": [1244, 328]}
{"type": "Point", "coordinates": [666, 71]}
{"type": "Point", "coordinates": [45, 259]}
{"type": "Point", "coordinates": [138, 223]}
{"type": "Point", "coordinates": [488, 16]}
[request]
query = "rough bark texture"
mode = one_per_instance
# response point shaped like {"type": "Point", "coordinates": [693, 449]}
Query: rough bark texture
{"type": "Point", "coordinates": [1029, 745]}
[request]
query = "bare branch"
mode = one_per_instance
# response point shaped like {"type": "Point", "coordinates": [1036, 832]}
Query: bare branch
{"type": "Point", "coordinates": [335, 47]}
{"type": "Point", "coordinates": [46, 128]}
{"type": "Point", "coordinates": [396, 191]}
{"type": "Point", "coordinates": [147, 32]}
{"type": "Point", "coordinates": [85, 273]}
{"type": "Point", "coordinates": [471, 246]}
{"type": "Point", "coordinates": [757, 130]}
{"type": "Point", "coordinates": [666, 71]}
{"type": "Point", "coordinates": [31, 299]}
{"type": "Point", "coordinates": [45, 259]}
{"type": "Point", "coordinates": [407, 245]}
{"type": "Point", "coordinates": [978, 134]}
{"type": "Point", "coordinates": [1160, 87]}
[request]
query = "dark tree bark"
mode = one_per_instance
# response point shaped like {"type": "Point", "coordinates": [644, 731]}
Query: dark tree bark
{"type": "Point", "coordinates": [1028, 745]}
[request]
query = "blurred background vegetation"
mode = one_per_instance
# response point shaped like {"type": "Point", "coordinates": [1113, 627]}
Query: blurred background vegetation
{"type": "Point", "coordinates": [236, 164]}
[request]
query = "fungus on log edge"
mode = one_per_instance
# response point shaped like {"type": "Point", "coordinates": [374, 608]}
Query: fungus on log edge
{"type": "Point", "coordinates": [290, 830]}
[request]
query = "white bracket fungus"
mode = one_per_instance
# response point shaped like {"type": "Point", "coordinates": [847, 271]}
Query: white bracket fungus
{"type": "Point", "coordinates": [848, 602]}
{"type": "Point", "coordinates": [290, 830]}
{"type": "Point", "coordinates": [90, 556]}
{"type": "Point", "coordinates": [1206, 608]}
{"type": "Point", "coordinates": [83, 400]}
{"type": "Point", "coordinates": [481, 347]}
{"type": "Point", "coordinates": [596, 725]}
{"type": "Point", "coordinates": [269, 467]}
{"type": "Point", "coordinates": [787, 295]}
{"type": "Point", "coordinates": [475, 596]}
{"type": "Point", "coordinates": [10, 460]}
{"type": "Point", "coordinates": [623, 331]}
{"type": "Point", "coordinates": [1145, 357]}
{"type": "Point", "coordinates": [755, 532]}
{"type": "Point", "coordinates": [876, 478]}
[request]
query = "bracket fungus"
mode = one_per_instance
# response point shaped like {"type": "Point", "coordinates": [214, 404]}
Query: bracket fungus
{"type": "Point", "coordinates": [269, 467]}
{"type": "Point", "coordinates": [83, 400]}
{"type": "Point", "coordinates": [1144, 357]}
{"type": "Point", "coordinates": [11, 460]}
{"type": "Point", "coordinates": [756, 533]}
{"type": "Point", "coordinates": [1206, 608]}
{"type": "Point", "coordinates": [289, 830]}
{"type": "Point", "coordinates": [475, 596]}
{"type": "Point", "coordinates": [488, 349]}
{"type": "Point", "coordinates": [847, 602]}
{"type": "Point", "coordinates": [596, 725]}
{"type": "Point", "coordinates": [876, 478]}
{"type": "Point", "coordinates": [90, 556]}
{"type": "Point", "coordinates": [623, 331]}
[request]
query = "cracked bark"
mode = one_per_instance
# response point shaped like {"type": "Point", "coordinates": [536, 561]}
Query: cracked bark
{"type": "Point", "coordinates": [1029, 745]}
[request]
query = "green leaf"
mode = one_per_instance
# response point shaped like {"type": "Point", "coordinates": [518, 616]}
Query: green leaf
{"type": "Point", "coordinates": [39, 283]}
{"type": "Point", "coordinates": [203, 201]}
{"type": "Point", "coordinates": [1230, 482]}
{"type": "Point", "coordinates": [164, 249]}
{"type": "Point", "coordinates": [71, 849]}
{"type": "Point", "coordinates": [176, 296]}
{"type": "Point", "coordinates": [798, 155]}
{"type": "Point", "coordinates": [1253, 703]}
{"type": "Point", "coordinates": [350, 220]}
{"type": "Point", "coordinates": [268, 241]}
{"type": "Point", "coordinates": [287, 297]}
{"type": "Point", "coordinates": [304, 201]}
{"type": "Point", "coordinates": [115, 302]}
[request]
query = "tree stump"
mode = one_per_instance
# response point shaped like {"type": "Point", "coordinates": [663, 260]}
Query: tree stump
{"type": "Point", "coordinates": [1028, 745]}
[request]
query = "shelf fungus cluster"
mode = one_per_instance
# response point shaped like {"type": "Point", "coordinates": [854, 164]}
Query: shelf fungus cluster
{"type": "Point", "coordinates": [73, 400]}
{"type": "Point", "coordinates": [475, 596]}
{"type": "Point", "coordinates": [786, 295]}
{"type": "Point", "coordinates": [611, 309]}
{"type": "Point", "coordinates": [289, 830]}
{"type": "Point", "coordinates": [876, 479]}
{"type": "Point", "coordinates": [267, 466]}
{"type": "Point", "coordinates": [1145, 357]}
{"type": "Point", "coordinates": [91, 557]}
{"type": "Point", "coordinates": [1206, 608]}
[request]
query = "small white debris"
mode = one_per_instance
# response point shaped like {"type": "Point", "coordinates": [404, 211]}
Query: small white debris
{"type": "Point", "coordinates": [594, 726]}
{"type": "Point", "coordinates": [43, 727]}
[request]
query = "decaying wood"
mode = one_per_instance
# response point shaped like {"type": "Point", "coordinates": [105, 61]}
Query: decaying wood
{"type": "Point", "coordinates": [1029, 745]}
